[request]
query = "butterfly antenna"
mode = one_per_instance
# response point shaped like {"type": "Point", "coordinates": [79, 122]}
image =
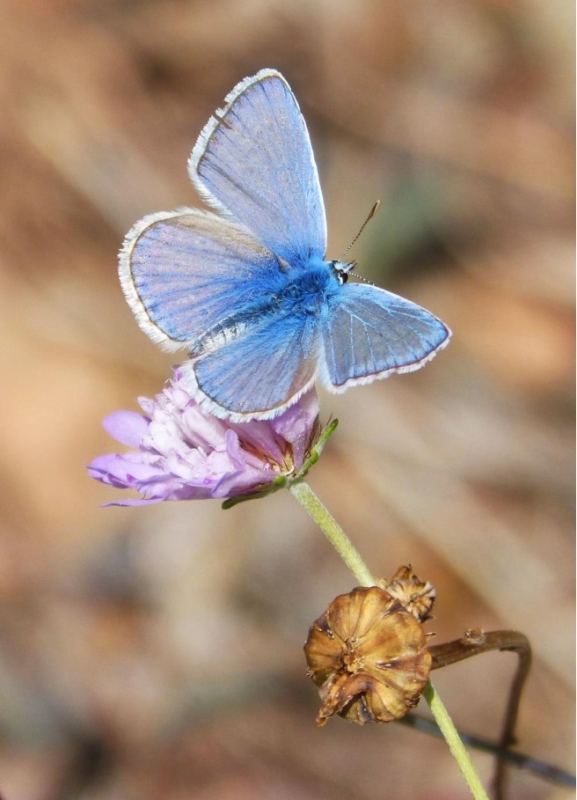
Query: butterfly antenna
{"type": "Point", "coordinates": [372, 213]}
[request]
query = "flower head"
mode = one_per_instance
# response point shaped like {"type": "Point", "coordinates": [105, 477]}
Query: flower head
{"type": "Point", "coordinates": [183, 452]}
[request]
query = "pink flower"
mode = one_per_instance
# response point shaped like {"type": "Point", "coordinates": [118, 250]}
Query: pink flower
{"type": "Point", "coordinates": [182, 452]}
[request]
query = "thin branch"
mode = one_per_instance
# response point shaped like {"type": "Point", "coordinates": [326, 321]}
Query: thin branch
{"type": "Point", "coordinates": [473, 644]}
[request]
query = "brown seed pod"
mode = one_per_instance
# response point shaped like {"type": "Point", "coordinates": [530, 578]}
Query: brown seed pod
{"type": "Point", "coordinates": [415, 595]}
{"type": "Point", "coordinates": [368, 654]}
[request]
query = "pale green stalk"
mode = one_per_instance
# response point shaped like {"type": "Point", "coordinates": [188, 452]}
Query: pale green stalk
{"type": "Point", "coordinates": [343, 545]}
{"type": "Point", "coordinates": [333, 531]}
{"type": "Point", "coordinates": [453, 739]}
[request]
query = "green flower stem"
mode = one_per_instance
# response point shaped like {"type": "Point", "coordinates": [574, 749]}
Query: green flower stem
{"type": "Point", "coordinates": [344, 547]}
{"type": "Point", "coordinates": [453, 739]}
{"type": "Point", "coordinates": [333, 531]}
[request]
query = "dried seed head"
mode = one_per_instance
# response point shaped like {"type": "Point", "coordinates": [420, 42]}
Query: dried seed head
{"type": "Point", "coordinates": [368, 655]}
{"type": "Point", "coordinates": [415, 595]}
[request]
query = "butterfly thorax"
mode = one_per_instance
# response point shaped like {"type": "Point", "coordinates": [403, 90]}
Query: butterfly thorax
{"type": "Point", "coordinates": [299, 291]}
{"type": "Point", "coordinates": [307, 291]}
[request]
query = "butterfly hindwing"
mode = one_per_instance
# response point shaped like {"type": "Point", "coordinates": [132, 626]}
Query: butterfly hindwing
{"type": "Point", "coordinates": [254, 162]}
{"type": "Point", "coordinates": [260, 372]}
{"type": "Point", "coordinates": [186, 273]}
{"type": "Point", "coordinates": [369, 333]}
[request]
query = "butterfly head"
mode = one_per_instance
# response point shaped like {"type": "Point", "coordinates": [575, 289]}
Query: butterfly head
{"type": "Point", "coordinates": [343, 269]}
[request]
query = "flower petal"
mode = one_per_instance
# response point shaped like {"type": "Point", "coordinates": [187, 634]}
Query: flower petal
{"type": "Point", "coordinates": [127, 427]}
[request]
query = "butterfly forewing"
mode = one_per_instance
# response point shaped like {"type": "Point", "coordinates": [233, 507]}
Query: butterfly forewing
{"type": "Point", "coordinates": [369, 333]}
{"type": "Point", "coordinates": [254, 161]}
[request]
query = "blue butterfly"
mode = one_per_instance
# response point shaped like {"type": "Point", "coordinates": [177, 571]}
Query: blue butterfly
{"type": "Point", "coordinates": [248, 290]}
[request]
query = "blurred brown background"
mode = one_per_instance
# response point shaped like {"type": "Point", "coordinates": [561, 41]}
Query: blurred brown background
{"type": "Point", "coordinates": [157, 652]}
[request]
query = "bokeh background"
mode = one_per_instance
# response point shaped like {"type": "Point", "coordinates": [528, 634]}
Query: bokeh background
{"type": "Point", "coordinates": [157, 652]}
